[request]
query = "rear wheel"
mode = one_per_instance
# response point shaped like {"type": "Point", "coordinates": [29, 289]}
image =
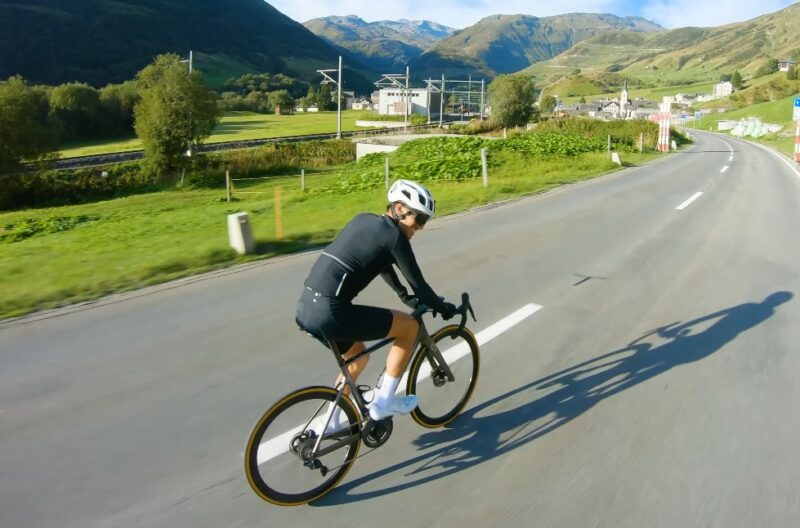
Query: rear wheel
{"type": "Point", "coordinates": [439, 399]}
{"type": "Point", "coordinates": [279, 460]}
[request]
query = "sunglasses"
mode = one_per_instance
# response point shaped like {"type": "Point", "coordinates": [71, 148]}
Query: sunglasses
{"type": "Point", "coordinates": [421, 218]}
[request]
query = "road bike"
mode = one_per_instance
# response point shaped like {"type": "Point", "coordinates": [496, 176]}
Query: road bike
{"type": "Point", "coordinates": [288, 461]}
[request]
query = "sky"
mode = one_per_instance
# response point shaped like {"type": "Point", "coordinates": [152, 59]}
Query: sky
{"type": "Point", "coordinates": [459, 14]}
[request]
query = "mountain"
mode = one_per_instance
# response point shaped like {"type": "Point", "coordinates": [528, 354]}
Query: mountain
{"type": "Point", "coordinates": [508, 43]}
{"type": "Point", "coordinates": [383, 46]}
{"type": "Point", "coordinates": [685, 55]}
{"type": "Point", "coordinates": [102, 41]}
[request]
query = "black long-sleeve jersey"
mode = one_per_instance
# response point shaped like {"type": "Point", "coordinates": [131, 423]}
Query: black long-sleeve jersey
{"type": "Point", "coordinates": [368, 246]}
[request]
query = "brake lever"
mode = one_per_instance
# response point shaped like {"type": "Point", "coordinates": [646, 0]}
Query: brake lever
{"type": "Point", "coordinates": [465, 306]}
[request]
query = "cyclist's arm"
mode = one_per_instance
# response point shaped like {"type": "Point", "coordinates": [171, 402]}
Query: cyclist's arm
{"type": "Point", "coordinates": [390, 276]}
{"type": "Point", "coordinates": [407, 263]}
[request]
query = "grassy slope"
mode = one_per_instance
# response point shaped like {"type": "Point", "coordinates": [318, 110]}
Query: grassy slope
{"type": "Point", "coordinates": [237, 126]}
{"type": "Point", "coordinates": [145, 239]}
{"type": "Point", "coordinates": [683, 56]}
{"type": "Point", "coordinates": [778, 112]}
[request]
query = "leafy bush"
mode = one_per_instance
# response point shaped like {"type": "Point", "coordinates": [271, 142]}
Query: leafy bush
{"type": "Point", "coordinates": [444, 158]}
{"type": "Point", "coordinates": [624, 134]}
{"type": "Point", "coordinates": [549, 145]}
{"type": "Point", "coordinates": [30, 227]}
{"type": "Point", "coordinates": [49, 187]}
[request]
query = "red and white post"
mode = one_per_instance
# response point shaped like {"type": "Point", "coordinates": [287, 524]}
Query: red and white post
{"type": "Point", "coordinates": [797, 142]}
{"type": "Point", "coordinates": [663, 127]}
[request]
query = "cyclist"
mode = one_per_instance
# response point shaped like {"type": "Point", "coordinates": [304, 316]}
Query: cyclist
{"type": "Point", "coordinates": [370, 245]}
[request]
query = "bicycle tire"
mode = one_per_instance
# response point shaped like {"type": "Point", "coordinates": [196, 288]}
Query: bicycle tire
{"type": "Point", "coordinates": [271, 443]}
{"type": "Point", "coordinates": [421, 379]}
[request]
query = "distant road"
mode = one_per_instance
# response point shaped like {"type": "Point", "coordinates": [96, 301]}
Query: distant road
{"type": "Point", "coordinates": [657, 386]}
{"type": "Point", "coordinates": [119, 157]}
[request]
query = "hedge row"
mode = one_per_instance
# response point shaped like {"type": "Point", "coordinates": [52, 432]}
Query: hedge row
{"type": "Point", "coordinates": [41, 188]}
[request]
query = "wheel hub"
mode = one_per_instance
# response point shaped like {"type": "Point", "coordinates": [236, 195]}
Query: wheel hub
{"type": "Point", "coordinates": [438, 377]}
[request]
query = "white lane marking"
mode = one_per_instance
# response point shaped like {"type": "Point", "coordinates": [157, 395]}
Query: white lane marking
{"type": "Point", "coordinates": [731, 158]}
{"type": "Point", "coordinates": [688, 202]}
{"type": "Point", "coordinates": [277, 446]}
{"type": "Point", "coordinates": [724, 168]}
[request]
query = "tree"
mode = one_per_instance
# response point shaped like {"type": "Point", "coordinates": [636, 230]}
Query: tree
{"type": "Point", "coordinates": [548, 103]}
{"type": "Point", "coordinates": [177, 109]}
{"type": "Point", "coordinates": [24, 129]}
{"type": "Point", "coordinates": [582, 100]}
{"type": "Point", "coordinates": [258, 102]}
{"type": "Point", "coordinates": [725, 77]}
{"type": "Point", "coordinates": [792, 73]}
{"type": "Point", "coordinates": [324, 98]}
{"type": "Point", "coordinates": [512, 98]}
{"type": "Point", "coordinates": [76, 107]}
{"type": "Point", "coordinates": [736, 80]}
{"type": "Point", "coordinates": [281, 98]}
{"type": "Point", "coordinates": [117, 102]}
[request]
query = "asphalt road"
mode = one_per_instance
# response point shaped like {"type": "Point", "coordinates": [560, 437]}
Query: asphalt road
{"type": "Point", "coordinates": [657, 385]}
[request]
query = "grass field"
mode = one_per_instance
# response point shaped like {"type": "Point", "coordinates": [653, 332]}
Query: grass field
{"type": "Point", "coordinates": [236, 126]}
{"type": "Point", "coordinates": [777, 112]}
{"type": "Point", "coordinates": [75, 253]}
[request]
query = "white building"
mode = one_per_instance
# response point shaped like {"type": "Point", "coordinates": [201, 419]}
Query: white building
{"type": "Point", "coordinates": [785, 65]}
{"type": "Point", "coordinates": [362, 104]}
{"type": "Point", "coordinates": [393, 101]}
{"type": "Point", "coordinates": [722, 89]}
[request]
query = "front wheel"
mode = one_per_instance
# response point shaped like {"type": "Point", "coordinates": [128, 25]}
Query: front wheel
{"type": "Point", "coordinates": [281, 462]}
{"type": "Point", "coordinates": [441, 400]}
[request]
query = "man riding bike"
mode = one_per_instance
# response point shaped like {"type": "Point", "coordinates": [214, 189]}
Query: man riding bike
{"type": "Point", "coordinates": [370, 245]}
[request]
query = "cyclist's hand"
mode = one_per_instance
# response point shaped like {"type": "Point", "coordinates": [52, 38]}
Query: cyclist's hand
{"type": "Point", "coordinates": [448, 310]}
{"type": "Point", "coordinates": [411, 301]}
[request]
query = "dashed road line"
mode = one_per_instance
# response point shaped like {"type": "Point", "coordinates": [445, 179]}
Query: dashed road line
{"type": "Point", "coordinates": [688, 202]}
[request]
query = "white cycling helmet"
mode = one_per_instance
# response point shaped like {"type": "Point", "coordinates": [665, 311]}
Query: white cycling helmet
{"type": "Point", "coordinates": [413, 195]}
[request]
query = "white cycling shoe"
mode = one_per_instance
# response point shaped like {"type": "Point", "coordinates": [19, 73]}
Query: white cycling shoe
{"type": "Point", "coordinates": [396, 406]}
{"type": "Point", "coordinates": [334, 425]}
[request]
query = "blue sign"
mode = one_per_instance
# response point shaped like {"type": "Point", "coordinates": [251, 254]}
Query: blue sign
{"type": "Point", "coordinates": [698, 115]}
{"type": "Point", "coordinates": [683, 116]}
{"type": "Point", "coordinates": [797, 102]}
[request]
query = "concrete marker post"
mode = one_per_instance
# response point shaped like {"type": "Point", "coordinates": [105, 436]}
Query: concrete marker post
{"type": "Point", "coordinates": [228, 184]}
{"type": "Point", "coordinates": [302, 179]}
{"type": "Point", "coordinates": [386, 172]}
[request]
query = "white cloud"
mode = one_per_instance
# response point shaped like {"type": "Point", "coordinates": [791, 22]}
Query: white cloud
{"type": "Point", "coordinates": [683, 13]}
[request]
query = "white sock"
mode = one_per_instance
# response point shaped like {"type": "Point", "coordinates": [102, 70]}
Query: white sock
{"type": "Point", "coordinates": [335, 417]}
{"type": "Point", "coordinates": [386, 392]}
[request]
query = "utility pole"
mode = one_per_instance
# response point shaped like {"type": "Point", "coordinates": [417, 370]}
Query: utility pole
{"type": "Point", "coordinates": [441, 104]}
{"type": "Point", "coordinates": [338, 83]}
{"type": "Point", "coordinates": [483, 106]}
{"type": "Point", "coordinates": [408, 102]}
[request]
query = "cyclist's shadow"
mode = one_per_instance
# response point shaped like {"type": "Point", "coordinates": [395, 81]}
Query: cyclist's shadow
{"type": "Point", "coordinates": [477, 436]}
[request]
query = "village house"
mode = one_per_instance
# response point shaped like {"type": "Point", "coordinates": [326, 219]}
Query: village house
{"type": "Point", "coordinates": [722, 89]}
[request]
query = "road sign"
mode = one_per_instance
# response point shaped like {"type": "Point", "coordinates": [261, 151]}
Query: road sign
{"type": "Point", "coordinates": [797, 102]}
{"type": "Point", "coordinates": [698, 115]}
